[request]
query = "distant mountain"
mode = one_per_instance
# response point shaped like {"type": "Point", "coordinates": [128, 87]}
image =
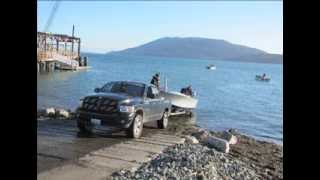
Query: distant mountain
{"type": "Point", "coordinates": [201, 48]}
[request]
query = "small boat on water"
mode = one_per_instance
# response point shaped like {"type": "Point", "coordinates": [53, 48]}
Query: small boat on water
{"type": "Point", "coordinates": [261, 78]}
{"type": "Point", "coordinates": [211, 67]}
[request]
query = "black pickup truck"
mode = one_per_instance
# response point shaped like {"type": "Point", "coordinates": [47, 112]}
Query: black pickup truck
{"type": "Point", "coordinates": [125, 105]}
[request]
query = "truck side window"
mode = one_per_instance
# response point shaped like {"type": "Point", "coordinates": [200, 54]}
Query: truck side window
{"type": "Point", "coordinates": [149, 93]}
{"type": "Point", "coordinates": [152, 92]}
{"type": "Point", "coordinates": [155, 92]}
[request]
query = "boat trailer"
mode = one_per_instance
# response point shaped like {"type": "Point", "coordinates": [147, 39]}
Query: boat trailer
{"type": "Point", "coordinates": [175, 111]}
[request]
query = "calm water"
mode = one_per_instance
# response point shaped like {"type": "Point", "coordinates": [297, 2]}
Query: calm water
{"type": "Point", "coordinates": [229, 97]}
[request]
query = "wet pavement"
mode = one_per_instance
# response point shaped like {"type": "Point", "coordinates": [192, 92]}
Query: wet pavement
{"type": "Point", "coordinates": [60, 144]}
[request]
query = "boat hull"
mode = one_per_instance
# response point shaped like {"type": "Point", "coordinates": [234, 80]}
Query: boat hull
{"type": "Point", "coordinates": [180, 100]}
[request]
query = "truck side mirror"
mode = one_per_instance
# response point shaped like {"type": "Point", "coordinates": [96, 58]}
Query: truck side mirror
{"type": "Point", "coordinates": [97, 90]}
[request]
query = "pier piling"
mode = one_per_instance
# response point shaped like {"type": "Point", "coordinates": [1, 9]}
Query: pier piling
{"type": "Point", "coordinates": [42, 66]}
{"type": "Point", "coordinates": [85, 61]}
{"type": "Point", "coordinates": [51, 66]}
{"type": "Point", "coordinates": [80, 61]}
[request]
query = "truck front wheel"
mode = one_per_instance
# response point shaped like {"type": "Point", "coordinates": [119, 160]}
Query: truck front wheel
{"type": "Point", "coordinates": [163, 122]}
{"type": "Point", "coordinates": [84, 126]}
{"type": "Point", "coordinates": [136, 127]}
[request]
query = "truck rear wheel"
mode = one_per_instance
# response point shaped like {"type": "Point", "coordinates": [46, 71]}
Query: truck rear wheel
{"type": "Point", "coordinates": [84, 125]}
{"type": "Point", "coordinates": [163, 122]}
{"type": "Point", "coordinates": [136, 127]}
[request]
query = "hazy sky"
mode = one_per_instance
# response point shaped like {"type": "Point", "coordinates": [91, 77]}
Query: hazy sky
{"type": "Point", "coordinates": [105, 26]}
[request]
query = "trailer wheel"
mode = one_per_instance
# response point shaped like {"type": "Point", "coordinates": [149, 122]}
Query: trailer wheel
{"type": "Point", "coordinates": [189, 113]}
{"type": "Point", "coordinates": [163, 122]}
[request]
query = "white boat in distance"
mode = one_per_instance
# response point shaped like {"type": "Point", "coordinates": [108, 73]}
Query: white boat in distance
{"type": "Point", "coordinates": [180, 100]}
{"type": "Point", "coordinates": [211, 67]}
{"type": "Point", "coordinates": [261, 78]}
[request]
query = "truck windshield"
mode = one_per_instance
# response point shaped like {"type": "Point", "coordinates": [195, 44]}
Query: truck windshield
{"type": "Point", "coordinates": [131, 89]}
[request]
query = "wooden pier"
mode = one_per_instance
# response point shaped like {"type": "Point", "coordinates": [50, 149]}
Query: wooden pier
{"type": "Point", "coordinates": [57, 51]}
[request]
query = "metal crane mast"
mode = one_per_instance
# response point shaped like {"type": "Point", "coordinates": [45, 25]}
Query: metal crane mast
{"type": "Point", "coordinates": [52, 14]}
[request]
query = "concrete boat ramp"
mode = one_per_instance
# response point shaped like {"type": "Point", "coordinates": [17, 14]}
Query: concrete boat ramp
{"type": "Point", "coordinates": [63, 153]}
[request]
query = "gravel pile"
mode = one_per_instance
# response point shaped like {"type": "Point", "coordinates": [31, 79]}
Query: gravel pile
{"type": "Point", "coordinates": [190, 161]}
{"type": "Point", "coordinates": [54, 113]}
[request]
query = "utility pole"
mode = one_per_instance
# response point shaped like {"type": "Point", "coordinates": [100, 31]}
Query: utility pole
{"type": "Point", "coordinates": [72, 37]}
{"type": "Point", "coordinates": [79, 43]}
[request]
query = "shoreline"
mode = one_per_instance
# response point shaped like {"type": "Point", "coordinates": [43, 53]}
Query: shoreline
{"type": "Point", "coordinates": [246, 158]}
{"type": "Point", "coordinates": [258, 138]}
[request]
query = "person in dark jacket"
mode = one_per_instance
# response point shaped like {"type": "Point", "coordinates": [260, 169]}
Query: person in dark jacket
{"type": "Point", "coordinates": [187, 91]}
{"type": "Point", "coordinates": [156, 80]}
{"type": "Point", "coordinates": [183, 90]}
